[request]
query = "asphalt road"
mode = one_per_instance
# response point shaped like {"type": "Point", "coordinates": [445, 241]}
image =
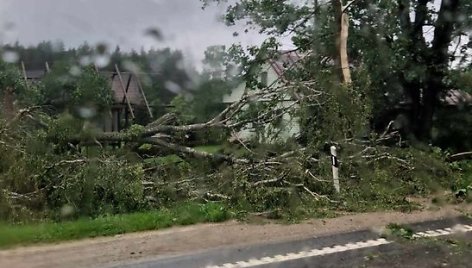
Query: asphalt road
{"type": "Point", "coordinates": [436, 244]}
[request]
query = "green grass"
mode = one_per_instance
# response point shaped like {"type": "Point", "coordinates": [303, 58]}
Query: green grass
{"type": "Point", "coordinates": [47, 232]}
{"type": "Point", "coordinates": [399, 231]}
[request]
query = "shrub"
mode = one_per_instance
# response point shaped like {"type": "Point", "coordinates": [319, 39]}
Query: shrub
{"type": "Point", "coordinates": [100, 186]}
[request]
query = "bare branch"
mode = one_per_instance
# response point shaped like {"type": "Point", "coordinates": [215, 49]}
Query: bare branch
{"type": "Point", "coordinates": [314, 177]}
{"type": "Point", "coordinates": [269, 181]}
{"type": "Point", "coordinates": [236, 137]}
{"type": "Point", "coordinates": [313, 194]}
{"type": "Point", "coordinates": [163, 120]}
{"type": "Point", "coordinates": [215, 197]}
{"type": "Point", "coordinates": [387, 129]}
{"type": "Point", "coordinates": [387, 156]}
{"type": "Point", "coordinates": [193, 152]}
{"type": "Point", "coordinates": [459, 156]}
{"type": "Point", "coordinates": [345, 7]}
{"type": "Point", "coordinates": [26, 112]}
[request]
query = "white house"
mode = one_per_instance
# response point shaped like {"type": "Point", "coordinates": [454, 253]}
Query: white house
{"type": "Point", "coordinates": [272, 75]}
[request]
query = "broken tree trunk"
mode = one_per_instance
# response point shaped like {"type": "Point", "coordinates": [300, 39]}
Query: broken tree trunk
{"type": "Point", "coordinates": [342, 33]}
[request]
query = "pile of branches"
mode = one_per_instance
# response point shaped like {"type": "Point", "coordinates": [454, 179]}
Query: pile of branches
{"type": "Point", "coordinates": [265, 180]}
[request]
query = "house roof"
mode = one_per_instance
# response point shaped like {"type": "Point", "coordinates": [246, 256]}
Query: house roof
{"type": "Point", "coordinates": [126, 86]}
{"type": "Point", "coordinates": [284, 61]}
{"type": "Point", "coordinates": [277, 67]}
{"type": "Point", "coordinates": [130, 85]}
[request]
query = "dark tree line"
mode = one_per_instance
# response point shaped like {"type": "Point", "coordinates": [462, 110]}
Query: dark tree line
{"type": "Point", "coordinates": [163, 70]}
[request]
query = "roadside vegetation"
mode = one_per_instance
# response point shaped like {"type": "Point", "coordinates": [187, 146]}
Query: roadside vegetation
{"type": "Point", "coordinates": [109, 225]}
{"type": "Point", "coordinates": [62, 177]}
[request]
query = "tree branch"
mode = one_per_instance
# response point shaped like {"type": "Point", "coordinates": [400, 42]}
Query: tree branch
{"type": "Point", "coordinates": [193, 152]}
{"type": "Point", "coordinates": [459, 156]}
{"type": "Point", "coordinates": [345, 7]}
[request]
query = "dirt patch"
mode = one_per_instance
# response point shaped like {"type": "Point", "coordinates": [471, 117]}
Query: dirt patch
{"type": "Point", "coordinates": [100, 252]}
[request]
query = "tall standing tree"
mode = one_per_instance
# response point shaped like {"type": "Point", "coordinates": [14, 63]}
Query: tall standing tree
{"type": "Point", "coordinates": [403, 58]}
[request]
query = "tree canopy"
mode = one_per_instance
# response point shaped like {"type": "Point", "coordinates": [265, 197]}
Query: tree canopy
{"type": "Point", "coordinates": [407, 48]}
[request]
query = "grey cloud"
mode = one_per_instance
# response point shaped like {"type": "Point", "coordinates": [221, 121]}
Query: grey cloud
{"type": "Point", "coordinates": [184, 24]}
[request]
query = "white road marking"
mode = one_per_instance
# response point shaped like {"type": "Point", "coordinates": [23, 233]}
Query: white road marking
{"type": "Point", "coordinates": [338, 248]}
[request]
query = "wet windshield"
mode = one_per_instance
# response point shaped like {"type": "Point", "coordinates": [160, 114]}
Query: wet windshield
{"type": "Point", "coordinates": [235, 133]}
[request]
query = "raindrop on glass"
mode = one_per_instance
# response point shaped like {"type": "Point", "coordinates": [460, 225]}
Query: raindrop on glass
{"type": "Point", "coordinates": [75, 71]}
{"type": "Point", "coordinates": [10, 56]}
{"type": "Point", "coordinates": [131, 67]}
{"type": "Point", "coordinates": [173, 87]}
{"type": "Point", "coordinates": [102, 60]}
{"type": "Point", "coordinates": [180, 65]}
{"type": "Point", "coordinates": [85, 60]}
{"type": "Point", "coordinates": [87, 112]}
{"type": "Point", "coordinates": [155, 33]}
{"type": "Point", "coordinates": [67, 210]}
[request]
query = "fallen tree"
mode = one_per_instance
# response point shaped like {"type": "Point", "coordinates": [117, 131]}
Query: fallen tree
{"type": "Point", "coordinates": [44, 167]}
{"type": "Point", "coordinates": [163, 132]}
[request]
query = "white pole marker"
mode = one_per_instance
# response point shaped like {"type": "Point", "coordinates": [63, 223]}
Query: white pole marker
{"type": "Point", "coordinates": [335, 166]}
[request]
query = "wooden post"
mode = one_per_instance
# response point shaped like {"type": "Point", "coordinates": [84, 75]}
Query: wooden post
{"type": "Point", "coordinates": [128, 83]}
{"type": "Point", "coordinates": [124, 91]}
{"type": "Point", "coordinates": [144, 96]}
{"type": "Point", "coordinates": [118, 120]}
{"type": "Point", "coordinates": [126, 118]}
{"type": "Point", "coordinates": [25, 76]}
{"type": "Point", "coordinates": [335, 166]}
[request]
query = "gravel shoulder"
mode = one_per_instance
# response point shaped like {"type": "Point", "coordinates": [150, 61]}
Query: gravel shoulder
{"type": "Point", "coordinates": [99, 252]}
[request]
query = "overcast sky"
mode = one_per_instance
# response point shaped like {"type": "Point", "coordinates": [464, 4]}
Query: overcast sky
{"type": "Point", "coordinates": [184, 24]}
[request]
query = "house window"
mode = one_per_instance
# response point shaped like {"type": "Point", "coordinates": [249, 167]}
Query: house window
{"type": "Point", "coordinates": [264, 77]}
